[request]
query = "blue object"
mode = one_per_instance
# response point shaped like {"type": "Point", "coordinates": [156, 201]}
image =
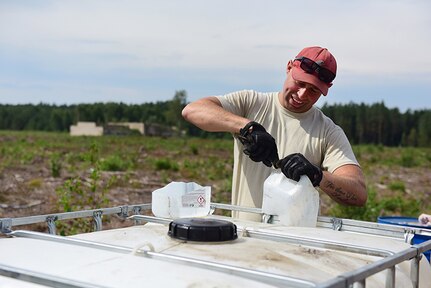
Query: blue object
{"type": "Point", "coordinates": [409, 222]}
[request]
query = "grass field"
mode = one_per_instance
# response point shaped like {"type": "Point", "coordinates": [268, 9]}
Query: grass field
{"type": "Point", "coordinates": [45, 173]}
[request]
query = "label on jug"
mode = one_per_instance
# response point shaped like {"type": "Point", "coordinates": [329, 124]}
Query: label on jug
{"type": "Point", "coordinates": [195, 199]}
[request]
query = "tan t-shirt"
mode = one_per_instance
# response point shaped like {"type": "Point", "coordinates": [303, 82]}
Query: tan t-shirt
{"type": "Point", "coordinates": [311, 133]}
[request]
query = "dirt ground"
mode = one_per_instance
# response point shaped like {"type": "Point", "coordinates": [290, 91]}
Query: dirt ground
{"type": "Point", "coordinates": [17, 200]}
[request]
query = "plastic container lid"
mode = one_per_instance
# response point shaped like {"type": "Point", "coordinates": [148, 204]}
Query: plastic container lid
{"type": "Point", "coordinates": [202, 230]}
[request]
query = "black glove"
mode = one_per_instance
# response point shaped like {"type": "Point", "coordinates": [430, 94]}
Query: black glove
{"type": "Point", "coordinates": [259, 145]}
{"type": "Point", "coordinates": [296, 165]}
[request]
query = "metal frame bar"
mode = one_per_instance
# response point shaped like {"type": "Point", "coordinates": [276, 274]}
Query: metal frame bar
{"type": "Point", "coordinates": [6, 224]}
{"type": "Point", "coordinates": [43, 279]}
{"type": "Point", "coordinates": [347, 279]}
{"type": "Point", "coordinates": [325, 222]}
{"type": "Point", "coordinates": [356, 277]}
{"type": "Point", "coordinates": [349, 225]}
{"type": "Point", "coordinates": [265, 277]}
{"type": "Point", "coordinates": [373, 228]}
{"type": "Point", "coordinates": [325, 244]}
{"type": "Point", "coordinates": [298, 240]}
{"type": "Point", "coordinates": [235, 208]}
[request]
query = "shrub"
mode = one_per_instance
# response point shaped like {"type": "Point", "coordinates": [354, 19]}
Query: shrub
{"type": "Point", "coordinates": [408, 159]}
{"type": "Point", "coordinates": [378, 206]}
{"type": "Point", "coordinates": [397, 186]}
{"type": "Point", "coordinates": [194, 149]}
{"type": "Point", "coordinates": [82, 193]}
{"type": "Point", "coordinates": [115, 163]}
{"type": "Point", "coordinates": [166, 164]}
{"type": "Point", "coordinates": [56, 165]}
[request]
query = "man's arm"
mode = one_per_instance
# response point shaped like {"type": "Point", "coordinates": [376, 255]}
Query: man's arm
{"type": "Point", "coordinates": [346, 185]}
{"type": "Point", "coordinates": [209, 115]}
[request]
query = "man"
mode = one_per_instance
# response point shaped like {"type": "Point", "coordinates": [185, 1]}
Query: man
{"type": "Point", "coordinates": [285, 124]}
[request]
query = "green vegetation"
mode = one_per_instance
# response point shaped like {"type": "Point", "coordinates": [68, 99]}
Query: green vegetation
{"type": "Point", "coordinates": [363, 124]}
{"type": "Point", "coordinates": [376, 124]}
{"type": "Point", "coordinates": [377, 205]}
{"type": "Point", "coordinates": [387, 165]}
{"type": "Point", "coordinates": [89, 168]}
{"type": "Point", "coordinates": [116, 163]}
{"type": "Point", "coordinates": [55, 165]}
{"type": "Point", "coordinates": [84, 192]}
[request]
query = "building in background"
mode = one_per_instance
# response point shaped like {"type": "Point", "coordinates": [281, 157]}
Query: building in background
{"type": "Point", "coordinates": [86, 129]}
{"type": "Point", "coordinates": [121, 128]}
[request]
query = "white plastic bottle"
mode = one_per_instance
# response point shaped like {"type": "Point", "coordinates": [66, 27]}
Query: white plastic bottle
{"type": "Point", "coordinates": [180, 199]}
{"type": "Point", "coordinates": [295, 203]}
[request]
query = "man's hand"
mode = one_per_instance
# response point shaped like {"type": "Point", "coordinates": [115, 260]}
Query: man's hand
{"type": "Point", "coordinates": [425, 219]}
{"type": "Point", "coordinates": [259, 145]}
{"type": "Point", "coordinates": [295, 165]}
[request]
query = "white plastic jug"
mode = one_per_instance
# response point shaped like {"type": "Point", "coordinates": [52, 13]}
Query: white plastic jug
{"type": "Point", "coordinates": [180, 199]}
{"type": "Point", "coordinates": [295, 203]}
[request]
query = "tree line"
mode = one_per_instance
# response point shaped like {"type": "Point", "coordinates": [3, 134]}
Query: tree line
{"type": "Point", "coordinates": [363, 124]}
{"type": "Point", "coordinates": [377, 124]}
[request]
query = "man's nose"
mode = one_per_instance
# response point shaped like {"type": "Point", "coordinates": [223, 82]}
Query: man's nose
{"type": "Point", "coordinates": [303, 93]}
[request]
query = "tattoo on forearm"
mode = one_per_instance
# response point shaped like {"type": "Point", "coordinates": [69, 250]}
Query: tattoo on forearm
{"type": "Point", "coordinates": [339, 194]}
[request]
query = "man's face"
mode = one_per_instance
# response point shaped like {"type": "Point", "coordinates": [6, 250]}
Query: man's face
{"type": "Point", "coordinates": [298, 96]}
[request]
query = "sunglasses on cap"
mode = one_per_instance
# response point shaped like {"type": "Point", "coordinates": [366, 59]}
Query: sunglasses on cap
{"type": "Point", "coordinates": [309, 66]}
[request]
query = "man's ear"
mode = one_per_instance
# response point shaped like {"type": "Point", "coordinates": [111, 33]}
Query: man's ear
{"type": "Point", "coordinates": [289, 66]}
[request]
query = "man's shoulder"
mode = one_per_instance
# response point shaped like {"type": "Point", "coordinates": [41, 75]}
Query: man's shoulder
{"type": "Point", "coordinates": [328, 124]}
{"type": "Point", "coordinates": [251, 92]}
{"type": "Point", "coordinates": [319, 113]}
{"type": "Point", "coordinates": [248, 96]}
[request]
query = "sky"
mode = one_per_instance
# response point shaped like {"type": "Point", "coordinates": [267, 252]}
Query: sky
{"type": "Point", "coordinates": [139, 51]}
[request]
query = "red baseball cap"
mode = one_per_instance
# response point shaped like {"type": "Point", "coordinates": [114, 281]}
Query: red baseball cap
{"type": "Point", "coordinates": [322, 57]}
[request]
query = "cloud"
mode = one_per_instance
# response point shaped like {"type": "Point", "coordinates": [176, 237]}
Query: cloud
{"type": "Point", "coordinates": [133, 47]}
